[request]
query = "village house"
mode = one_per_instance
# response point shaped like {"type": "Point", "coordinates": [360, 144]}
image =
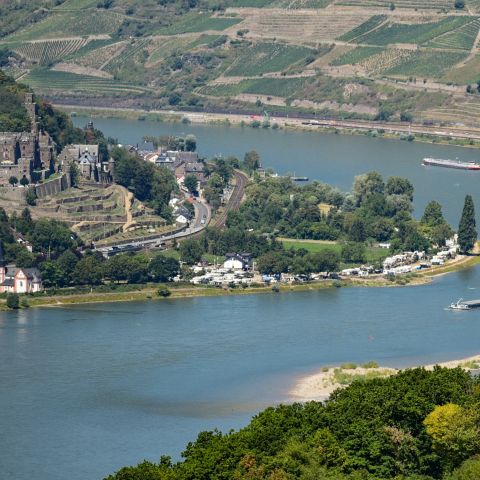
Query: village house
{"type": "Point", "coordinates": [18, 280]}
{"type": "Point", "coordinates": [91, 167]}
{"type": "Point", "coordinates": [238, 261]}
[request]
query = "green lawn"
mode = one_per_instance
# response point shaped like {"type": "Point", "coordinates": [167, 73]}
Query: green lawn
{"type": "Point", "coordinates": [374, 254]}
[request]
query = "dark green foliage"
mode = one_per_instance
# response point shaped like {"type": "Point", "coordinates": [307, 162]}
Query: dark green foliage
{"type": "Point", "coordinates": [164, 292]}
{"type": "Point", "coordinates": [191, 183]}
{"type": "Point", "coordinates": [191, 251]}
{"type": "Point", "coordinates": [163, 269]}
{"type": "Point", "coordinates": [13, 301]}
{"type": "Point", "coordinates": [371, 430]}
{"type": "Point", "coordinates": [467, 233]}
{"type": "Point", "coordinates": [49, 236]}
{"type": "Point", "coordinates": [13, 115]}
{"type": "Point", "coordinates": [148, 182]}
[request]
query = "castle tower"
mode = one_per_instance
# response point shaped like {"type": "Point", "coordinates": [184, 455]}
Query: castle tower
{"type": "Point", "coordinates": [32, 111]}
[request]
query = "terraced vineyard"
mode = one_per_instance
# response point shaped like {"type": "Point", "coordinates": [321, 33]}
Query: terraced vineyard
{"type": "Point", "coordinates": [464, 74]}
{"type": "Point", "coordinates": [127, 53]}
{"type": "Point", "coordinates": [411, 33]}
{"type": "Point", "coordinates": [281, 87]}
{"type": "Point", "coordinates": [462, 38]}
{"type": "Point", "coordinates": [430, 64]}
{"type": "Point", "coordinates": [385, 61]}
{"type": "Point", "coordinates": [69, 25]}
{"type": "Point", "coordinates": [356, 56]}
{"type": "Point", "coordinates": [370, 24]}
{"type": "Point", "coordinates": [444, 5]}
{"type": "Point", "coordinates": [198, 22]}
{"type": "Point", "coordinates": [308, 26]}
{"type": "Point", "coordinates": [100, 56]}
{"type": "Point", "coordinates": [45, 53]}
{"type": "Point", "coordinates": [267, 57]}
{"type": "Point", "coordinates": [48, 80]}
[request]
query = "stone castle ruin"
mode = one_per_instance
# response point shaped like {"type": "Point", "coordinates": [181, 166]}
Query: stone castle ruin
{"type": "Point", "coordinates": [28, 155]}
{"type": "Point", "coordinates": [30, 158]}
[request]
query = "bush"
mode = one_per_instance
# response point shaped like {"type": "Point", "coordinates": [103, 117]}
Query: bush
{"type": "Point", "coordinates": [13, 301]}
{"type": "Point", "coordinates": [24, 302]}
{"type": "Point", "coordinates": [164, 292]}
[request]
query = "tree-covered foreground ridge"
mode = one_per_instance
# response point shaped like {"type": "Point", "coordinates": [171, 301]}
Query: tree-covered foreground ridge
{"type": "Point", "coordinates": [416, 425]}
{"type": "Point", "coordinates": [387, 60]}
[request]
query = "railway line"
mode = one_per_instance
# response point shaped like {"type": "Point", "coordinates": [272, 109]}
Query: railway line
{"type": "Point", "coordinates": [235, 199]}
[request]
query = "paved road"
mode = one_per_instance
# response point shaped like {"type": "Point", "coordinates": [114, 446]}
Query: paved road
{"type": "Point", "coordinates": [200, 221]}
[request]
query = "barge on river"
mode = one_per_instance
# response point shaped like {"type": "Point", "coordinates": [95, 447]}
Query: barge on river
{"type": "Point", "coordinates": [438, 162]}
{"type": "Point", "coordinates": [465, 305]}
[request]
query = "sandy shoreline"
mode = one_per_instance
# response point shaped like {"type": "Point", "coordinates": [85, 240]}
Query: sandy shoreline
{"type": "Point", "coordinates": [318, 386]}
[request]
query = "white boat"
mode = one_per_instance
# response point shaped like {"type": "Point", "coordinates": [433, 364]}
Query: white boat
{"type": "Point", "coordinates": [459, 305]}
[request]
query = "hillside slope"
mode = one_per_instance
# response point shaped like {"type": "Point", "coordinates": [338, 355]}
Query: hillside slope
{"type": "Point", "coordinates": [346, 58]}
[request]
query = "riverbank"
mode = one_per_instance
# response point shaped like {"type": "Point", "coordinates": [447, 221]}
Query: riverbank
{"type": "Point", "coordinates": [320, 385]}
{"type": "Point", "coordinates": [150, 293]}
{"type": "Point", "coordinates": [451, 135]}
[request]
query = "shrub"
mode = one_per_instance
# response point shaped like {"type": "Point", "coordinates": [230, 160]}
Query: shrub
{"type": "Point", "coordinates": [13, 301]}
{"type": "Point", "coordinates": [24, 302]}
{"type": "Point", "coordinates": [164, 292]}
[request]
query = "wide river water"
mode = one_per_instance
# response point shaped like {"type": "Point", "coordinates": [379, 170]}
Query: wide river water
{"type": "Point", "coordinates": [85, 390]}
{"type": "Point", "coordinates": [330, 158]}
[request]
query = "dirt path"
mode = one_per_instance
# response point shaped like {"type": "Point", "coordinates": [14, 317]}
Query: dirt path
{"type": "Point", "coordinates": [128, 196]}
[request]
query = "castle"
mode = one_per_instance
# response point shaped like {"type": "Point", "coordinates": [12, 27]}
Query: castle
{"type": "Point", "coordinates": [29, 158]}
{"type": "Point", "coordinates": [26, 155]}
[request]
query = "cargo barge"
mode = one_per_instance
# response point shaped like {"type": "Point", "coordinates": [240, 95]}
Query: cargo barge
{"type": "Point", "coordinates": [464, 305]}
{"type": "Point", "coordinates": [438, 162]}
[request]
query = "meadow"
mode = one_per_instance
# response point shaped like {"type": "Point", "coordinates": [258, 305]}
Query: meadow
{"type": "Point", "coordinates": [373, 254]}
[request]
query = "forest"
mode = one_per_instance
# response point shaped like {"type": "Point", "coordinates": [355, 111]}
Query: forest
{"type": "Point", "coordinates": [416, 425]}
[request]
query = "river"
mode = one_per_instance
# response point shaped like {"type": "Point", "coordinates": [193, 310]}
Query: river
{"type": "Point", "coordinates": [87, 389]}
{"type": "Point", "coordinates": [330, 158]}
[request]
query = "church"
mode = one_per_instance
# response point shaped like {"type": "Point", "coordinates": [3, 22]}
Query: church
{"type": "Point", "coordinates": [18, 280]}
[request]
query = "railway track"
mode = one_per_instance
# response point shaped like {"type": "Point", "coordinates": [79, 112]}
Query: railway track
{"type": "Point", "coordinates": [235, 199]}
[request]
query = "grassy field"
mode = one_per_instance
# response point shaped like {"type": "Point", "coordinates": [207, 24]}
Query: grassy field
{"type": "Point", "coordinates": [373, 254]}
{"type": "Point", "coordinates": [198, 22]}
{"type": "Point", "coordinates": [267, 57]}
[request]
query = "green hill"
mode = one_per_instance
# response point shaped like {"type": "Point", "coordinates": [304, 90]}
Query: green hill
{"type": "Point", "coordinates": [356, 58]}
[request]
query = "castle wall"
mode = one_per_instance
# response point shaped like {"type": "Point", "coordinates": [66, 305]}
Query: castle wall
{"type": "Point", "coordinates": [14, 194]}
{"type": "Point", "coordinates": [52, 187]}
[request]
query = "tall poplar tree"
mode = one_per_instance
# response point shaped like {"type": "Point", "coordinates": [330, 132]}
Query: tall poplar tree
{"type": "Point", "coordinates": [467, 234]}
